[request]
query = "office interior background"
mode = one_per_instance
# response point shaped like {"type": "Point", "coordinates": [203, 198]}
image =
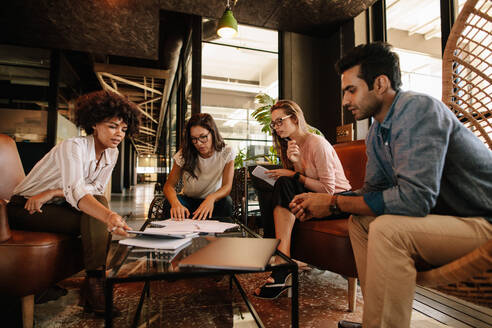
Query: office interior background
{"type": "Point", "coordinates": [167, 58]}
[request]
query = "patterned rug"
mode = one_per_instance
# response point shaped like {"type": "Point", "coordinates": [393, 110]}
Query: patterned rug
{"type": "Point", "coordinates": [208, 302]}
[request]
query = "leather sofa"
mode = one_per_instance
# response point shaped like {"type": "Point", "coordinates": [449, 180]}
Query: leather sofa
{"type": "Point", "coordinates": [325, 243]}
{"type": "Point", "coordinates": [29, 261]}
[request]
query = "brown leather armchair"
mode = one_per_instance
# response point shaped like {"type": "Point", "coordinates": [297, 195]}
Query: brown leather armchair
{"type": "Point", "coordinates": [326, 244]}
{"type": "Point", "coordinates": [29, 261]}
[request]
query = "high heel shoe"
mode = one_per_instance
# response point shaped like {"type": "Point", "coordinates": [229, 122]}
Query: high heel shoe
{"type": "Point", "coordinates": [282, 281]}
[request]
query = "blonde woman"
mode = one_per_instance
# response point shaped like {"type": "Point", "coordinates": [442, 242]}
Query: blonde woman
{"type": "Point", "coordinates": [309, 164]}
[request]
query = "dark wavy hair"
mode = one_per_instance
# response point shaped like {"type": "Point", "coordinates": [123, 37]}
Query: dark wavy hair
{"type": "Point", "coordinates": [290, 108]}
{"type": "Point", "coordinates": [375, 59]}
{"type": "Point", "coordinates": [189, 152]}
{"type": "Point", "coordinates": [98, 106]}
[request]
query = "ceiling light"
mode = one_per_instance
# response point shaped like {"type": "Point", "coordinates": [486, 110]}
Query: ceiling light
{"type": "Point", "coordinates": [227, 24]}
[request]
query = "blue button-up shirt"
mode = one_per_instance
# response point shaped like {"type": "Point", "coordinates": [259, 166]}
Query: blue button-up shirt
{"type": "Point", "coordinates": [422, 160]}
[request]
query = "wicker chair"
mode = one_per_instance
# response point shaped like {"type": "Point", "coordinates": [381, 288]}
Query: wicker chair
{"type": "Point", "coordinates": [160, 205]}
{"type": "Point", "coordinates": [467, 91]}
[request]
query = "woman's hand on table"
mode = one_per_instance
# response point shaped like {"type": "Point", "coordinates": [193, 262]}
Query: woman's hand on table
{"type": "Point", "coordinates": [179, 212]}
{"type": "Point", "coordinates": [205, 210]}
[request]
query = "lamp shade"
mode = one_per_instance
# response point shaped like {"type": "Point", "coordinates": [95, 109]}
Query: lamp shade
{"type": "Point", "coordinates": [227, 25]}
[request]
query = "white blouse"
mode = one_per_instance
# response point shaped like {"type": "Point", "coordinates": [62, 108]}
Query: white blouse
{"type": "Point", "coordinates": [72, 166]}
{"type": "Point", "coordinates": [209, 172]}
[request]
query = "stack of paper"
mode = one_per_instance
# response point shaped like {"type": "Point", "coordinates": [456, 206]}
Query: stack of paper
{"type": "Point", "coordinates": [190, 226]}
{"type": "Point", "coordinates": [163, 233]}
{"type": "Point", "coordinates": [157, 243]}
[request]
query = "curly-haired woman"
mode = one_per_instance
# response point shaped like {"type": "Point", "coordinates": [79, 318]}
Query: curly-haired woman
{"type": "Point", "coordinates": [64, 191]}
{"type": "Point", "coordinates": [206, 166]}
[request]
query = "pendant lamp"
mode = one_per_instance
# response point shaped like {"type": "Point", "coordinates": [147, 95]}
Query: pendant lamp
{"type": "Point", "coordinates": [227, 24]}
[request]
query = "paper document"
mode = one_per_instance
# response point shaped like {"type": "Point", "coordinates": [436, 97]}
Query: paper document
{"type": "Point", "coordinates": [161, 233]}
{"type": "Point", "coordinates": [190, 226]}
{"type": "Point", "coordinates": [259, 172]}
{"type": "Point", "coordinates": [159, 243]}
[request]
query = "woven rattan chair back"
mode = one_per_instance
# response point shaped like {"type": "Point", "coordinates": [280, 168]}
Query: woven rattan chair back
{"type": "Point", "coordinates": [467, 91]}
{"type": "Point", "coordinates": [467, 68]}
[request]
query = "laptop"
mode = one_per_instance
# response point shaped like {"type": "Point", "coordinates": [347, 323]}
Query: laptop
{"type": "Point", "coordinates": [233, 254]}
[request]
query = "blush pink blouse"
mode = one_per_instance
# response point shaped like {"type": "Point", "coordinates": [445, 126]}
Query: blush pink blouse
{"type": "Point", "coordinates": [321, 166]}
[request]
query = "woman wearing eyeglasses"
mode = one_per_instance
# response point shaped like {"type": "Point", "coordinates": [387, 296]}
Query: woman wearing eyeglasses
{"type": "Point", "coordinates": [310, 163]}
{"type": "Point", "coordinates": [206, 166]}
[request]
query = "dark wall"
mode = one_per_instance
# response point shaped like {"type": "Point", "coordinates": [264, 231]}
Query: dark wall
{"type": "Point", "coordinates": [31, 153]}
{"type": "Point", "coordinates": [309, 76]}
{"type": "Point", "coordinates": [124, 27]}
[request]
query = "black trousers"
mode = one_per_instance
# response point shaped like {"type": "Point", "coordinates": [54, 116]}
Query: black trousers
{"type": "Point", "coordinates": [281, 194]}
{"type": "Point", "coordinates": [222, 208]}
{"type": "Point", "coordinates": [284, 190]}
{"type": "Point", "coordinates": [63, 218]}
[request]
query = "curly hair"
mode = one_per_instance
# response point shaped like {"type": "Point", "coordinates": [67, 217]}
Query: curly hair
{"type": "Point", "coordinates": [375, 59]}
{"type": "Point", "coordinates": [290, 108]}
{"type": "Point", "coordinates": [189, 152]}
{"type": "Point", "coordinates": [98, 106]}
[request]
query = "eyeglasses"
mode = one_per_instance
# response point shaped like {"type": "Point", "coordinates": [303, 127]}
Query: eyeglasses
{"type": "Point", "coordinates": [278, 122]}
{"type": "Point", "coordinates": [202, 139]}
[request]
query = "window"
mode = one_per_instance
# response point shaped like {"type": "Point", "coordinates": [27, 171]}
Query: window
{"type": "Point", "coordinates": [414, 29]}
{"type": "Point", "coordinates": [234, 71]}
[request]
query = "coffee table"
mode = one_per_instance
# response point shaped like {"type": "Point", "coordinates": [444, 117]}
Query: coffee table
{"type": "Point", "coordinates": [154, 265]}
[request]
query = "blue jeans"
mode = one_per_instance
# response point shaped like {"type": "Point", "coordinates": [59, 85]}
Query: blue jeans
{"type": "Point", "coordinates": [222, 207]}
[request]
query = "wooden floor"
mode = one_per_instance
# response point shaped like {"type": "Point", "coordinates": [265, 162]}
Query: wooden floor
{"type": "Point", "coordinates": [450, 310]}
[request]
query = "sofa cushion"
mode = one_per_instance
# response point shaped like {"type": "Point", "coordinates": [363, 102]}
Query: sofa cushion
{"type": "Point", "coordinates": [48, 257]}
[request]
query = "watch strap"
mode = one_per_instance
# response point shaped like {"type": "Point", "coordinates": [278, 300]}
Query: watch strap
{"type": "Point", "coordinates": [334, 209]}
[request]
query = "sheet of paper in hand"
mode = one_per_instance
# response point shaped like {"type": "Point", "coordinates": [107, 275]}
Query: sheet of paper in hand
{"type": "Point", "coordinates": [259, 172]}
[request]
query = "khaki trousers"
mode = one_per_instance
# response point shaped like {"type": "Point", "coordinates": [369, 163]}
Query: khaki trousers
{"type": "Point", "coordinates": [63, 218]}
{"type": "Point", "coordinates": [386, 248]}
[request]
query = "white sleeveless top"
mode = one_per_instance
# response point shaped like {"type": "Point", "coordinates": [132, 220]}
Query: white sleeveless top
{"type": "Point", "coordinates": [209, 172]}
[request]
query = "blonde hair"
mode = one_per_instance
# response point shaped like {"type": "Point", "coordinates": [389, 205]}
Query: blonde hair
{"type": "Point", "coordinates": [293, 109]}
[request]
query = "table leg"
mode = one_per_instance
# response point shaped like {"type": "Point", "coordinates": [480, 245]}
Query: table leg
{"type": "Point", "coordinates": [109, 304]}
{"type": "Point", "coordinates": [295, 298]}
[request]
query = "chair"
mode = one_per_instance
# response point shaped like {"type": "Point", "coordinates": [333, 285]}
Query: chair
{"type": "Point", "coordinates": [467, 91]}
{"type": "Point", "coordinates": [326, 244]}
{"type": "Point", "coordinates": [29, 261]}
{"type": "Point", "coordinates": [160, 205]}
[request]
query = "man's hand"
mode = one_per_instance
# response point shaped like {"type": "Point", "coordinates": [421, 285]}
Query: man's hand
{"type": "Point", "coordinates": [35, 202]}
{"type": "Point", "coordinates": [205, 210]}
{"type": "Point", "coordinates": [310, 205]}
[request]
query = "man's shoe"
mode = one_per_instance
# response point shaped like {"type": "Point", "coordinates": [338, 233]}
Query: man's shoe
{"type": "Point", "coordinates": [349, 324]}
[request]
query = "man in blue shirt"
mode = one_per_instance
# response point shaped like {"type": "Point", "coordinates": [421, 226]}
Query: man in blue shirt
{"type": "Point", "coordinates": [427, 193]}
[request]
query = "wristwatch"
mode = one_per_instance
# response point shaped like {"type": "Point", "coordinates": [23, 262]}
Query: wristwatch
{"type": "Point", "coordinates": [296, 176]}
{"type": "Point", "coordinates": [334, 209]}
